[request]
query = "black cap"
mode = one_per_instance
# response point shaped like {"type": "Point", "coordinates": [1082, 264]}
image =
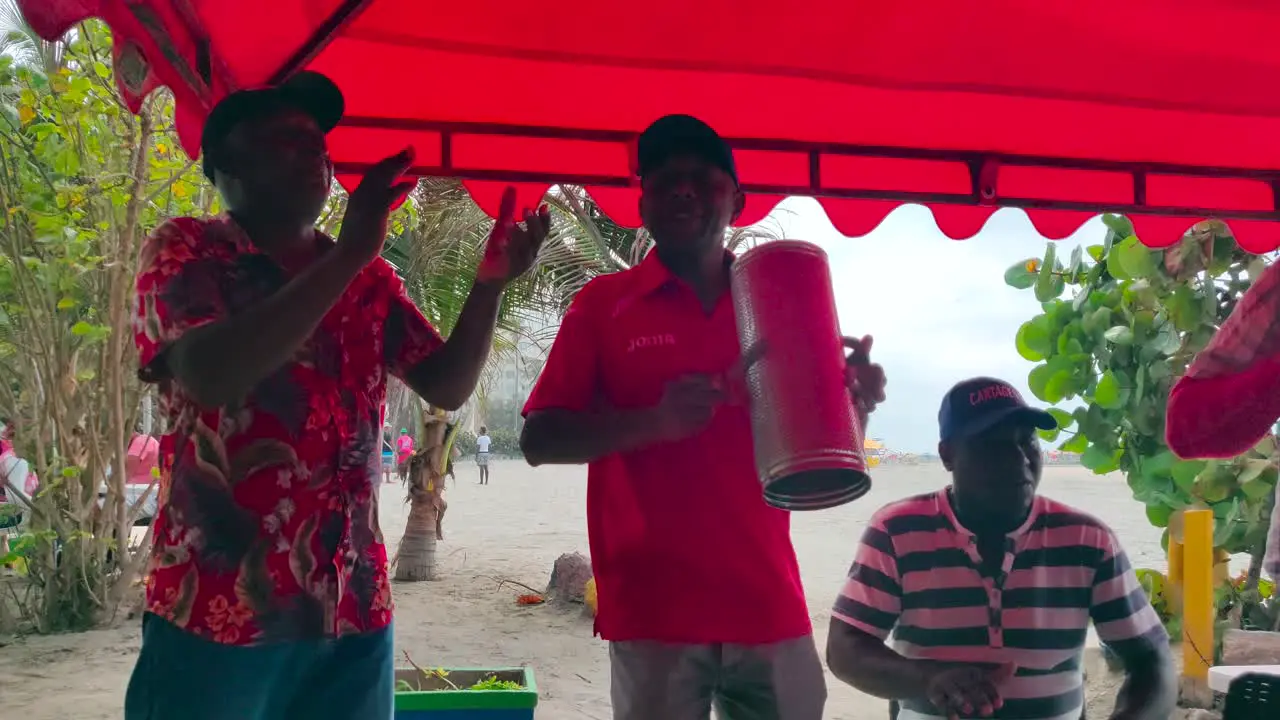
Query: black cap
{"type": "Point", "coordinates": [310, 92]}
{"type": "Point", "coordinates": [976, 405]}
{"type": "Point", "coordinates": [683, 135]}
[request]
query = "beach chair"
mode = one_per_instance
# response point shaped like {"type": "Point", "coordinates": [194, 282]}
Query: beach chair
{"type": "Point", "coordinates": [1253, 696]}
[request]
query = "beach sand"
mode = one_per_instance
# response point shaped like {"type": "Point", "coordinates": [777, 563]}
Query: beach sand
{"type": "Point", "coordinates": [514, 528]}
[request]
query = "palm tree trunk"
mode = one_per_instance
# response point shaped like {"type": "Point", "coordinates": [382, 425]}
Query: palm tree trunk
{"type": "Point", "coordinates": [416, 558]}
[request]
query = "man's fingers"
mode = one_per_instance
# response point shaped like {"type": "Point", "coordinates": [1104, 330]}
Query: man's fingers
{"type": "Point", "coordinates": [860, 348]}
{"type": "Point", "coordinates": [1003, 672]}
{"type": "Point", "coordinates": [873, 375]}
{"type": "Point", "coordinates": [539, 225]}
{"type": "Point", "coordinates": [507, 209]}
{"type": "Point", "coordinates": [386, 170]}
{"type": "Point", "coordinates": [401, 189]}
{"type": "Point", "coordinates": [956, 700]}
{"type": "Point", "coordinates": [544, 214]}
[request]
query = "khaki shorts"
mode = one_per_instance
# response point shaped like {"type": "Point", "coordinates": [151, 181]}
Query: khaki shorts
{"type": "Point", "coordinates": [659, 681]}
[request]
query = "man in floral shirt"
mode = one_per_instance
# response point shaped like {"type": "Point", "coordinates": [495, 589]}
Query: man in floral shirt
{"type": "Point", "coordinates": [267, 595]}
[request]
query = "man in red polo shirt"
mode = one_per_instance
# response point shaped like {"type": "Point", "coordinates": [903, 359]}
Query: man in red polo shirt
{"type": "Point", "coordinates": [699, 590]}
{"type": "Point", "coordinates": [267, 592]}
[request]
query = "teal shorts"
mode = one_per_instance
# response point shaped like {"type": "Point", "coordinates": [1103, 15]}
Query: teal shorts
{"type": "Point", "coordinates": [181, 676]}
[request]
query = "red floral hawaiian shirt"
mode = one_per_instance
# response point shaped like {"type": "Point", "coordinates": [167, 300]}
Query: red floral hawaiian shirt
{"type": "Point", "coordinates": [267, 527]}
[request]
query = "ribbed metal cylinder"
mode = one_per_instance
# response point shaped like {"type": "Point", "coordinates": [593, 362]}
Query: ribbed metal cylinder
{"type": "Point", "coordinates": [808, 441]}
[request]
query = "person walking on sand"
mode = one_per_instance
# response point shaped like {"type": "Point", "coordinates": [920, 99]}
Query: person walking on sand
{"type": "Point", "coordinates": [482, 454]}
{"type": "Point", "coordinates": [388, 454]}
{"type": "Point", "coordinates": [698, 589]}
{"type": "Point", "coordinates": [404, 451]}
{"type": "Point", "coordinates": [267, 590]}
{"type": "Point", "coordinates": [989, 588]}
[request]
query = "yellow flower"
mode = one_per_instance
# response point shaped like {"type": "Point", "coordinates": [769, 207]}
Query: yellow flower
{"type": "Point", "coordinates": [1032, 265]}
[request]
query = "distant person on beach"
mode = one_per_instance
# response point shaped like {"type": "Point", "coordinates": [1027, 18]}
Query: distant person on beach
{"type": "Point", "coordinates": [142, 462]}
{"type": "Point", "coordinates": [16, 471]}
{"type": "Point", "coordinates": [1229, 398]}
{"type": "Point", "coordinates": [988, 588]}
{"type": "Point", "coordinates": [404, 451]}
{"type": "Point", "coordinates": [482, 454]}
{"type": "Point", "coordinates": [267, 592]}
{"type": "Point", "coordinates": [698, 588]}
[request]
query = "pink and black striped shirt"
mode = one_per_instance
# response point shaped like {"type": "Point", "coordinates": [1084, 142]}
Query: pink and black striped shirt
{"type": "Point", "coordinates": [916, 576]}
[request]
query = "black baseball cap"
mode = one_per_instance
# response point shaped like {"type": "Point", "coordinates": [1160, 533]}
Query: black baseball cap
{"type": "Point", "coordinates": [673, 135]}
{"type": "Point", "coordinates": [310, 92]}
{"type": "Point", "coordinates": [976, 405]}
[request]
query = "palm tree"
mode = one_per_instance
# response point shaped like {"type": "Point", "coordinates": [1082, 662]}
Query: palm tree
{"type": "Point", "coordinates": [20, 42]}
{"type": "Point", "coordinates": [437, 254]}
{"type": "Point", "coordinates": [437, 257]}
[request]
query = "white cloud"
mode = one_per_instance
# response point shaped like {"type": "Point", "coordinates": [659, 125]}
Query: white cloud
{"type": "Point", "coordinates": [939, 309]}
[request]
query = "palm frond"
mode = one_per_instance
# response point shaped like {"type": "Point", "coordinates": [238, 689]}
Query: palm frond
{"type": "Point", "coordinates": [19, 41]}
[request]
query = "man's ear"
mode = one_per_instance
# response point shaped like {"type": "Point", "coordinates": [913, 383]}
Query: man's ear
{"type": "Point", "coordinates": [739, 203]}
{"type": "Point", "coordinates": [944, 453]}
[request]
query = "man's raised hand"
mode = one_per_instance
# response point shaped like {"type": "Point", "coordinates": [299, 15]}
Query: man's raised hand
{"type": "Point", "coordinates": [512, 247]}
{"type": "Point", "coordinates": [364, 225]}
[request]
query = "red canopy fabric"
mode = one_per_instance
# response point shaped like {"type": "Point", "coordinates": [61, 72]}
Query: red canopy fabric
{"type": "Point", "coordinates": [1165, 110]}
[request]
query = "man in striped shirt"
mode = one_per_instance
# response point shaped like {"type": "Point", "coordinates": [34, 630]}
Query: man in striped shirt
{"type": "Point", "coordinates": [989, 588]}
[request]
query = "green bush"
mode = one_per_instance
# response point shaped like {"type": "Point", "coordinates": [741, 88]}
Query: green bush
{"type": "Point", "coordinates": [506, 443]}
{"type": "Point", "coordinates": [466, 443]}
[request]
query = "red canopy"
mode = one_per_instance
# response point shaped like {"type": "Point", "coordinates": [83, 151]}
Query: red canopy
{"type": "Point", "coordinates": [1165, 110]}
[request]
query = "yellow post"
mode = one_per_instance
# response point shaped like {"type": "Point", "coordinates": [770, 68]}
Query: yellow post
{"type": "Point", "coordinates": [1197, 593]}
{"type": "Point", "coordinates": [1173, 583]}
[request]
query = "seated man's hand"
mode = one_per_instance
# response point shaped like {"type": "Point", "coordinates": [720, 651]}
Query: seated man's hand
{"type": "Point", "coordinates": [963, 690]}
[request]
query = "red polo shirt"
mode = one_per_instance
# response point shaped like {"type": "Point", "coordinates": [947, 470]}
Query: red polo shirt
{"type": "Point", "coordinates": [683, 546]}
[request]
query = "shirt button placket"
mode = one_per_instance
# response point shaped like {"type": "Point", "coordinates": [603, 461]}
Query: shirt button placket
{"type": "Point", "coordinates": [995, 628]}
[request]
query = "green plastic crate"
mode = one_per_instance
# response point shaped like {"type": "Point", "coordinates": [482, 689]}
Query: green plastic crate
{"type": "Point", "coordinates": [434, 699]}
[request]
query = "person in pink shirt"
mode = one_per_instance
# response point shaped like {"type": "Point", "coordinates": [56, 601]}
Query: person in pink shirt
{"type": "Point", "coordinates": [143, 460]}
{"type": "Point", "coordinates": [404, 451]}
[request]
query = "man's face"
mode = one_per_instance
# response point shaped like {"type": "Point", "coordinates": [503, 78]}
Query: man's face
{"type": "Point", "coordinates": [997, 471]}
{"type": "Point", "coordinates": [281, 159]}
{"type": "Point", "coordinates": [687, 203]}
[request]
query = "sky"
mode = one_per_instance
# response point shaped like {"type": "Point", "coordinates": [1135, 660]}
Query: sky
{"type": "Point", "coordinates": [939, 309]}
